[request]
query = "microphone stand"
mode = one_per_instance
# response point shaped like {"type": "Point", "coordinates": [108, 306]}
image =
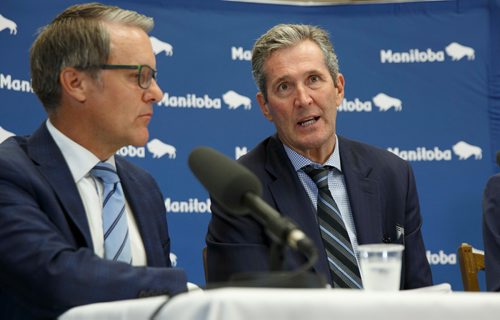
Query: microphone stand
{"type": "Point", "coordinates": [283, 233]}
{"type": "Point", "coordinates": [303, 277]}
{"type": "Point", "coordinates": [277, 256]}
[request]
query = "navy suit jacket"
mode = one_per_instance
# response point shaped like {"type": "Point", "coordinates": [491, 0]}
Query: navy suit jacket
{"type": "Point", "coordinates": [491, 232]}
{"type": "Point", "coordinates": [383, 198]}
{"type": "Point", "coordinates": [47, 262]}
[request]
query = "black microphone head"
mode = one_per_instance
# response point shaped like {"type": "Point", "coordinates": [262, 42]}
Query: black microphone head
{"type": "Point", "coordinates": [498, 157]}
{"type": "Point", "coordinates": [226, 180]}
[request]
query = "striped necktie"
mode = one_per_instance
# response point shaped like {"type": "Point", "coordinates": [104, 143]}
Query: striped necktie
{"type": "Point", "coordinates": [341, 257]}
{"type": "Point", "coordinates": [114, 217]}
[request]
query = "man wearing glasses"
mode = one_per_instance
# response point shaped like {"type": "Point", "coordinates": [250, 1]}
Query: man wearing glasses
{"type": "Point", "coordinates": [78, 224]}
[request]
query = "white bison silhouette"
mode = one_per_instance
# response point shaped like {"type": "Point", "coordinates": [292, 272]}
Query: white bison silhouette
{"type": "Point", "coordinates": [160, 46]}
{"type": "Point", "coordinates": [234, 100]}
{"type": "Point", "coordinates": [4, 134]}
{"type": "Point", "coordinates": [457, 51]}
{"type": "Point", "coordinates": [8, 24]}
{"type": "Point", "coordinates": [173, 259]}
{"type": "Point", "coordinates": [464, 151]}
{"type": "Point", "coordinates": [159, 149]}
{"type": "Point", "coordinates": [385, 102]}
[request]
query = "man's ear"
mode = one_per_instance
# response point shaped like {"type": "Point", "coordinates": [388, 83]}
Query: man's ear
{"type": "Point", "coordinates": [73, 83]}
{"type": "Point", "coordinates": [340, 89]}
{"type": "Point", "coordinates": [264, 106]}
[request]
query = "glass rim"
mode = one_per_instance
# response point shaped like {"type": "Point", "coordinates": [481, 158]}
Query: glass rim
{"type": "Point", "coordinates": [379, 247]}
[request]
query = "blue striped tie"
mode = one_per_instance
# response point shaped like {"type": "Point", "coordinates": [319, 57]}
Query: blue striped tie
{"type": "Point", "coordinates": [342, 260]}
{"type": "Point", "coordinates": [114, 217]}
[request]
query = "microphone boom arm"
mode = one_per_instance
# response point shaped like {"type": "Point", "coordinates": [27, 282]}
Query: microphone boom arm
{"type": "Point", "coordinates": [280, 229]}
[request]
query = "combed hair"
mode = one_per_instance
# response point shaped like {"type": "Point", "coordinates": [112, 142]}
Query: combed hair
{"type": "Point", "coordinates": [76, 38]}
{"type": "Point", "coordinates": [287, 35]}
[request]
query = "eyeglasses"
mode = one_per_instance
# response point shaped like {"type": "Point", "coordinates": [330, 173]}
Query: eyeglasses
{"type": "Point", "coordinates": [145, 72]}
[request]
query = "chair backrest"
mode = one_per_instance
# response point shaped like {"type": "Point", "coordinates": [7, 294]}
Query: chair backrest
{"type": "Point", "coordinates": [471, 262]}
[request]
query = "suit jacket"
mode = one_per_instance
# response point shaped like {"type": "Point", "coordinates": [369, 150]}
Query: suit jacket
{"type": "Point", "coordinates": [491, 232]}
{"type": "Point", "coordinates": [383, 198]}
{"type": "Point", "coordinates": [47, 262]}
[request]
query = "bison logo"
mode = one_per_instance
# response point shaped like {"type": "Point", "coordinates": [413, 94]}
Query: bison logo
{"type": "Point", "coordinates": [160, 46]}
{"type": "Point", "coordinates": [235, 100]}
{"type": "Point", "coordinates": [385, 102]}
{"type": "Point", "coordinates": [173, 259]}
{"type": "Point", "coordinates": [8, 24]}
{"type": "Point", "coordinates": [457, 51]}
{"type": "Point", "coordinates": [464, 151]}
{"type": "Point", "coordinates": [4, 134]}
{"type": "Point", "coordinates": [159, 149]}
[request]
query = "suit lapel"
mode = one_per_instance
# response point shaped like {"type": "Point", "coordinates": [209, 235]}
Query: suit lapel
{"type": "Point", "coordinates": [143, 212]}
{"type": "Point", "coordinates": [44, 152]}
{"type": "Point", "coordinates": [364, 193]}
{"type": "Point", "coordinates": [291, 198]}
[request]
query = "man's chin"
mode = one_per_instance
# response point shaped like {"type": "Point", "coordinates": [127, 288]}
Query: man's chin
{"type": "Point", "coordinates": [140, 140]}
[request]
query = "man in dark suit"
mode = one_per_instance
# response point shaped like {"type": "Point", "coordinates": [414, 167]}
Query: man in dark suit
{"type": "Point", "coordinates": [93, 70]}
{"type": "Point", "coordinates": [374, 193]}
{"type": "Point", "coordinates": [491, 233]}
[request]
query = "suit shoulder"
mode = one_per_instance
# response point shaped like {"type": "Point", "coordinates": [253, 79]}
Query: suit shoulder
{"type": "Point", "coordinates": [493, 182]}
{"type": "Point", "coordinates": [14, 142]}
{"type": "Point", "coordinates": [495, 177]}
{"type": "Point", "coordinates": [369, 149]}
{"type": "Point", "coordinates": [377, 156]}
{"type": "Point", "coordinates": [13, 149]}
{"type": "Point", "coordinates": [256, 157]}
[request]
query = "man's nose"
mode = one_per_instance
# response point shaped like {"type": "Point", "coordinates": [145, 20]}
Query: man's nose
{"type": "Point", "coordinates": [154, 91]}
{"type": "Point", "coordinates": [302, 98]}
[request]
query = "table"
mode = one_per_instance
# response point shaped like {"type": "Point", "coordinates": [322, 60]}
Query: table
{"type": "Point", "coordinates": [290, 304]}
{"type": "Point", "coordinates": [135, 309]}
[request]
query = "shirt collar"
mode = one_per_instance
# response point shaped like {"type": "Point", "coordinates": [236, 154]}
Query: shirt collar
{"type": "Point", "coordinates": [299, 161]}
{"type": "Point", "coordinates": [80, 160]}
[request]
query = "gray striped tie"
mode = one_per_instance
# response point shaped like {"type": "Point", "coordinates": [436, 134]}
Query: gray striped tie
{"type": "Point", "coordinates": [114, 217]}
{"type": "Point", "coordinates": [341, 257]}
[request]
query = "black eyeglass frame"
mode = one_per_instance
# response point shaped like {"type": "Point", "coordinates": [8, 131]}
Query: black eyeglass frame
{"type": "Point", "coordinates": [137, 67]}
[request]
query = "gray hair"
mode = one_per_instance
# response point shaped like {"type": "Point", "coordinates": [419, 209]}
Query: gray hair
{"type": "Point", "coordinates": [76, 38]}
{"type": "Point", "coordinates": [287, 35]}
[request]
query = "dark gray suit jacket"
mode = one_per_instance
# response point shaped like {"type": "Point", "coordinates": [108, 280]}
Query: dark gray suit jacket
{"type": "Point", "coordinates": [383, 198]}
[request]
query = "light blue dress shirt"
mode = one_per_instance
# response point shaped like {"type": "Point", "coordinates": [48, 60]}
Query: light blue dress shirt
{"type": "Point", "coordinates": [336, 184]}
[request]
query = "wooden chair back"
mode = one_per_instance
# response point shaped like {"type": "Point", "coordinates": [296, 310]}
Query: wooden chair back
{"type": "Point", "coordinates": [471, 261]}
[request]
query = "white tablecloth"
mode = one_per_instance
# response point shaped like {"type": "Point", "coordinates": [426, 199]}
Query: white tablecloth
{"type": "Point", "coordinates": [309, 304]}
{"type": "Point", "coordinates": [118, 310]}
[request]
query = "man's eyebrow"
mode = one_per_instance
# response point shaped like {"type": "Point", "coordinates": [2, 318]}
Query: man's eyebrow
{"type": "Point", "coordinates": [287, 76]}
{"type": "Point", "coordinates": [280, 79]}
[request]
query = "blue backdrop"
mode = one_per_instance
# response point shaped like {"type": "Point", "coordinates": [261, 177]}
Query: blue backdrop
{"type": "Point", "coordinates": [422, 80]}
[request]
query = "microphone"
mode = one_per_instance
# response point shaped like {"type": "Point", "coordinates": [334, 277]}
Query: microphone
{"type": "Point", "coordinates": [498, 157]}
{"type": "Point", "coordinates": [239, 192]}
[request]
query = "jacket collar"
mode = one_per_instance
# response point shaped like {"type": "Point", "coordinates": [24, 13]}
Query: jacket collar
{"type": "Point", "coordinates": [45, 154]}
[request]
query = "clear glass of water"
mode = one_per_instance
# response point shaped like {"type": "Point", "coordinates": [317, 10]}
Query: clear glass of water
{"type": "Point", "coordinates": [380, 266]}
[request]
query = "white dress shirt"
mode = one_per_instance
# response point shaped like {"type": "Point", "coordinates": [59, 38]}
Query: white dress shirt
{"type": "Point", "coordinates": [80, 161]}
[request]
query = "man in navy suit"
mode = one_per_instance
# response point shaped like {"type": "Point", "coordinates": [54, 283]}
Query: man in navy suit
{"type": "Point", "coordinates": [93, 68]}
{"type": "Point", "coordinates": [296, 71]}
{"type": "Point", "coordinates": [491, 233]}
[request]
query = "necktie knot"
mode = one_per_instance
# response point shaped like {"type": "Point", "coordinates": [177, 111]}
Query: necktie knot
{"type": "Point", "coordinates": [318, 175]}
{"type": "Point", "coordinates": [105, 172]}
